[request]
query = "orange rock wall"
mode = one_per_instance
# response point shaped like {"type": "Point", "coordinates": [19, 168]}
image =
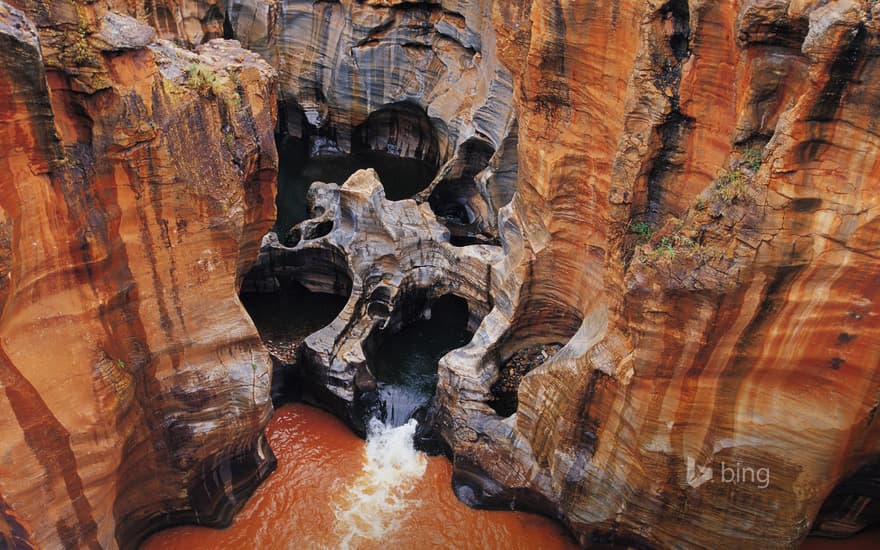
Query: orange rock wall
{"type": "Point", "coordinates": [744, 329]}
{"type": "Point", "coordinates": [132, 201]}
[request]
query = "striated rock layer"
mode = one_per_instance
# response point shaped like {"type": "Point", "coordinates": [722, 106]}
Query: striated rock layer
{"type": "Point", "coordinates": [356, 73]}
{"type": "Point", "coordinates": [697, 210]}
{"type": "Point", "coordinates": [695, 214]}
{"type": "Point", "coordinates": [137, 180]}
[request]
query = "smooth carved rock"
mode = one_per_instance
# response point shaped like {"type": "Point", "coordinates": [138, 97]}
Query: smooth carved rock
{"type": "Point", "coordinates": [392, 256]}
{"type": "Point", "coordinates": [344, 64]}
{"type": "Point", "coordinates": [342, 61]}
{"type": "Point", "coordinates": [135, 387]}
{"type": "Point", "coordinates": [740, 331]}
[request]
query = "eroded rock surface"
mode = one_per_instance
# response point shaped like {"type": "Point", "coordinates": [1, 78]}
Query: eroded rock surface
{"type": "Point", "coordinates": [695, 214]}
{"type": "Point", "coordinates": [137, 182]}
{"type": "Point", "coordinates": [346, 69]}
{"type": "Point", "coordinates": [693, 211]}
{"type": "Point", "coordinates": [392, 258]}
{"type": "Point", "coordinates": [743, 329]}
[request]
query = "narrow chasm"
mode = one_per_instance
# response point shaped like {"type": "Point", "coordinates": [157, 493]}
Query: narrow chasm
{"type": "Point", "coordinates": [403, 357]}
{"type": "Point", "coordinates": [398, 141]}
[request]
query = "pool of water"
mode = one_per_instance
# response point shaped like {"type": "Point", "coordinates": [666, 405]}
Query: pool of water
{"type": "Point", "coordinates": [401, 177]}
{"type": "Point", "coordinates": [285, 318]}
{"type": "Point", "coordinates": [405, 363]}
{"type": "Point", "coordinates": [322, 497]}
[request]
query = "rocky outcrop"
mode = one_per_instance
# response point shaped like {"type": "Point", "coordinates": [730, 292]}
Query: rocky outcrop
{"type": "Point", "coordinates": [693, 214]}
{"type": "Point", "coordinates": [696, 215]}
{"type": "Point", "coordinates": [137, 182]}
{"type": "Point", "coordinates": [392, 260]}
{"type": "Point", "coordinates": [187, 22]}
{"type": "Point", "coordinates": [361, 68]}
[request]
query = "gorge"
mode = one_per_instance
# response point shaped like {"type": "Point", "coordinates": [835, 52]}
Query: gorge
{"type": "Point", "coordinates": [623, 245]}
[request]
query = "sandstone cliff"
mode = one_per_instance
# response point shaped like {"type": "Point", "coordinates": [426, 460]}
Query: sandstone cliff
{"type": "Point", "coordinates": [695, 217]}
{"type": "Point", "coordinates": [137, 181]}
{"type": "Point", "coordinates": [735, 140]}
{"type": "Point", "coordinates": [693, 213]}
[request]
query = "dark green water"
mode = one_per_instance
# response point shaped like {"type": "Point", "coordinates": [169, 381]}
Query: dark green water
{"type": "Point", "coordinates": [405, 363]}
{"type": "Point", "coordinates": [401, 177]}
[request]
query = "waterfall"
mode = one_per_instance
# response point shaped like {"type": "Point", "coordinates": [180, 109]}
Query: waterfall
{"type": "Point", "coordinates": [376, 502]}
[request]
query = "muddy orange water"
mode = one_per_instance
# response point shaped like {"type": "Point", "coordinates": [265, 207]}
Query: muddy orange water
{"type": "Point", "coordinates": [319, 461]}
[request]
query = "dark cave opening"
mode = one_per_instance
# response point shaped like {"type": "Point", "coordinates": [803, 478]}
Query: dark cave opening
{"type": "Point", "coordinates": [398, 141]}
{"type": "Point", "coordinates": [289, 298]}
{"type": "Point", "coordinates": [505, 399]}
{"type": "Point", "coordinates": [458, 201]}
{"type": "Point", "coordinates": [403, 356]}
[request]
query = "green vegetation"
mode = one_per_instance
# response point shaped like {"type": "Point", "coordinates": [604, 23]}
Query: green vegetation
{"type": "Point", "coordinates": [203, 79]}
{"type": "Point", "coordinates": [670, 246]}
{"type": "Point", "coordinates": [731, 184]}
{"type": "Point", "coordinates": [752, 156]}
{"type": "Point", "coordinates": [643, 229]}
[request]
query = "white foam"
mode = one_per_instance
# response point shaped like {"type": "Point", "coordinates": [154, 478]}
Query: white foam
{"type": "Point", "coordinates": [376, 503]}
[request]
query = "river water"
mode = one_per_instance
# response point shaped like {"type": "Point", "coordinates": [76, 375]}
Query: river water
{"type": "Point", "coordinates": [333, 490]}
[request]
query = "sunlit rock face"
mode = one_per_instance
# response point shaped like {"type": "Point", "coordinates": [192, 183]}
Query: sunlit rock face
{"type": "Point", "coordinates": [187, 22]}
{"type": "Point", "coordinates": [737, 142]}
{"type": "Point", "coordinates": [137, 183]}
{"type": "Point", "coordinates": [692, 212]}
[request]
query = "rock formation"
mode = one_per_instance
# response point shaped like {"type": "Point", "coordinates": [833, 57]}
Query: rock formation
{"type": "Point", "coordinates": [735, 140]}
{"type": "Point", "coordinates": [684, 196]}
{"type": "Point", "coordinates": [392, 260]}
{"type": "Point", "coordinates": [346, 68]}
{"type": "Point", "coordinates": [694, 215]}
{"type": "Point", "coordinates": [138, 179]}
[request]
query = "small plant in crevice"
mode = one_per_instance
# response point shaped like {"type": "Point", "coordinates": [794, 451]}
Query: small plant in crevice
{"type": "Point", "coordinates": [643, 229]}
{"type": "Point", "coordinates": [753, 158]}
{"type": "Point", "coordinates": [669, 247]}
{"type": "Point", "coordinates": [730, 184]}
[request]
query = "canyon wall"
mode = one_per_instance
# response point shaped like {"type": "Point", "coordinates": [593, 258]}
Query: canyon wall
{"type": "Point", "coordinates": [694, 217]}
{"type": "Point", "coordinates": [138, 179]}
{"type": "Point", "coordinates": [697, 210]}
{"type": "Point", "coordinates": [693, 213]}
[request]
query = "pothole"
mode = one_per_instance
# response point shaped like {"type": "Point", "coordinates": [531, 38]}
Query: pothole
{"type": "Point", "coordinates": [511, 373]}
{"type": "Point", "coordinates": [284, 318]}
{"type": "Point", "coordinates": [458, 200]}
{"type": "Point", "coordinates": [398, 141]}
{"type": "Point", "coordinates": [404, 358]}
